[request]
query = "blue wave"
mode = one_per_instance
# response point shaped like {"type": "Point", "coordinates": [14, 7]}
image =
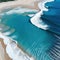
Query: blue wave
{"type": "Point", "coordinates": [52, 16]}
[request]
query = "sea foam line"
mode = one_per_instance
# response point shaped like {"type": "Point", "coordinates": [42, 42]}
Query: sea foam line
{"type": "Point", "coordinates": [13, 51]}
{"type": "Point", "coordinates": [36, 20]}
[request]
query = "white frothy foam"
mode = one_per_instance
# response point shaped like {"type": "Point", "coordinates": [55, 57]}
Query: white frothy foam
{"type": "Point", "coordinates": [14, 52]}
{"type": "Point", "coordinates": [19, 10]}
{"type": "Point", "coordinates": [36, 20]}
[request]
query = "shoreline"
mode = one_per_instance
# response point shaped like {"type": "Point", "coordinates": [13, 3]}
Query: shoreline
{"type": "Point", "coordinates": [9, 44]}
{"type": "Point", "coordinates": [5, 55]}
{"type": "Point", "coordinates": [14, 4]}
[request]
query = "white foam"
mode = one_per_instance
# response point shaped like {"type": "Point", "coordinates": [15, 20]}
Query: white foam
{"type": "Point", "coordinates": [20, 10]}
{"type": "Point", "coordinates": [41, 5]}
{"type": "Point", "coordinates": [38, 22]}
{"type": "Point", "coordinates": [14, 52]}
{"type": "Point", "coordinates": [6, 40]}
{"type": "Point", "coordinates": [9, 32]}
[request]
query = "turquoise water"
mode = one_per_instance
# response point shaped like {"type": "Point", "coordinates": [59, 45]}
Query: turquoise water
{"type": "Point", "coordinates": [42, 45]}
{"type": "Point", "coordinates": [33, 40]}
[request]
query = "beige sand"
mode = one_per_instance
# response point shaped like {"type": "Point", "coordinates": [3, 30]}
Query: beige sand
{"type": "Point", "coordinates": [3, 54]}
{"type": "Point", "coordinates": [23, 3]}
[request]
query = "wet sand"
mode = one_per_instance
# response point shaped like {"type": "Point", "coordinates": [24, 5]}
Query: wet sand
{"type": "Point", "coordinates": [24, 3]}
{"type": "Point", "coordinates": [4, 55]}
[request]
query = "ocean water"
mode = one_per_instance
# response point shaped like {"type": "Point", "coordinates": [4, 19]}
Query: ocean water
{"type": "Point", "coordinates": [38, 43]}
{"type": "Point", "coordinates": [38, 35]}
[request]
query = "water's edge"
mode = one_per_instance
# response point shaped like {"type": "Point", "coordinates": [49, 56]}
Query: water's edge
{"type": "Point", "coordinates": [13, 50]}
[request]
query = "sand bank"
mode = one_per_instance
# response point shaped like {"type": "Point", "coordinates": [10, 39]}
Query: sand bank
{"type": "Point", "coordinates": [23, 3]}
{"type": "Point", "coordinates": [3, 54]}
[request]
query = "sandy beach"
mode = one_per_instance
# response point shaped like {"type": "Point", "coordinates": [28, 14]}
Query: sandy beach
{"type": "Point", "coordinates": [10, 50]}
{"type": "Point", "coordinates": [3, 54]}
{"type": "Point", "coordinates": [24, 3]}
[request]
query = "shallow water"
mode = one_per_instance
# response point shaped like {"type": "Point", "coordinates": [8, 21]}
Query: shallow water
{"type": "Point", "coordinates": [33, 40]}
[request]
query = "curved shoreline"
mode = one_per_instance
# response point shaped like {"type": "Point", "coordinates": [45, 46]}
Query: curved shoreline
{"type": "Point", "coordinates": [13, 51]}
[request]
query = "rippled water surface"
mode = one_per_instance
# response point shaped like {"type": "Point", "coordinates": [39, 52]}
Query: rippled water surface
{"type": "Point", "coordinates": [33, 40]}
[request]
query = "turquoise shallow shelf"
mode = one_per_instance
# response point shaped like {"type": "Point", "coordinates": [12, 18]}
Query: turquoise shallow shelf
{"type": "Point", "coordinates": [41, 44]}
